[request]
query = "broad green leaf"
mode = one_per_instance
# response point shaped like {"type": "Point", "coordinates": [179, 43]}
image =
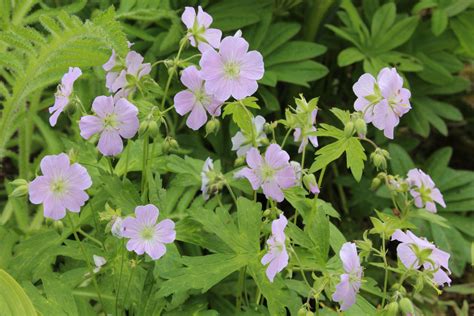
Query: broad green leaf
{"type": "Point", "coordinates": [462, 26]}
{"type": "Point", "coordinates": [294, 51]}
{"type": "Point", "coordinates": [400, 161]}
{"type": "Point", "coordinates": [300, 72]}
{"type": "Point", "coordinates": [398, 34]}
{"type": "Point", "coordinates": [382, 20]}
{"type": "Point", "coordinates": [349, 56]}
{"type": "Point", "coordinates": [235, 14]}
{"type": "Point", "coordinates": [13, 299]}
{"type": "Point", "coordinates": [277, 35]}
{"type": "Point", "coordinates": [439, 21]}
{"type": "Point", "coordinates": [327, 154]}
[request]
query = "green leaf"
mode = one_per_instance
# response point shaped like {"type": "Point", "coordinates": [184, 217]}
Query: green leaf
{"type": "Point", "coordinates": [382, 20]}
{"type": "Point", "coordinates": [439, 21]}
{"type": "Point", "coordinates": [300, 72]}
{"type": "Point", "coordinates": [349, 56]}
{"type": "Point", "coordinates": [355, 156]}
{"type": "Point", "coordinates": [277, 35]}
{"type": "Point", "coordinates": [462, 26]}
{"type": "Point", "coordinates": [13, 299]}
{"type": "Point", "coordinates": [235, 14]}
{"type": "Point", "coordinates": [294, 51]}
{"type": "Point", "coordinates": [327, 154]}
{"type": "Point", "coordinates": [398, 34]}
{"type": "Point", "coordinates": [400, 161]}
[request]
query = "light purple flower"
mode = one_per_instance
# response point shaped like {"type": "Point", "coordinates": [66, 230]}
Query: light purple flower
{"type": "Point", "coordinates": [116, 79]}
{"type": "Point", "coordinates": [233, 71]}
{"type": "Point", "coordinates": [350, 283]}
{"type": "Point", "coordinates": [277, 256]}
{"type": "Point", "coordinates": [61, 98]}
{"type": "Point", "coordinates": [415, 252]}
{"type": "Point", "coordinates": [198, 29]}
{"type": "Point", "coordinates": [117, 227]}
{"type": "Point", "coordinates": [62, 186]}
{"type": "Point", "coordinates": [382, 101]}
{"type": "Point", "coordinates": [304, 133]}
{"type": "Point", "coordinates": [207, 168]}
{"type": "Point", "coordinates": [424, 191]}
{"type": "Point", "coordinates": [195, 99]}
{"type": "Point", "coordinates": [273, 172]}
{"type": "Point", "coordinates": [113, 119]}
{"type": "Point", "coordinates": [145, 234]}
{"type": "Point", "coordinates": [242, 142]}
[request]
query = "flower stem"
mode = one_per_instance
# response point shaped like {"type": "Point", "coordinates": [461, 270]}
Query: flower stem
{"type": "Point", "coordinates": [144, 165]}
{"type": "Point", "coordinates": [120, 276]}
{"type": "Point", "coordinates": [90, 237]}
{"type": "Point", "coordinates": [240, 286]}
{"type": "Point", "coordinates": [385, 281]}
{"type": "Point", "coordinates": [284, 139]}
{"type": "Point", "coordinates": [231, 193]}
{"type": "Point", "coordinates": [171, 75]}
{"type": "Point", "coordinates": [86, 258]}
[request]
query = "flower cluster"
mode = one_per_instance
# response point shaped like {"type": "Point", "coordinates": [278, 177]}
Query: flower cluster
{"type": "Point", "coordinates": [382, 101]}
{"type": "Point", "coordinates": [227, 69]}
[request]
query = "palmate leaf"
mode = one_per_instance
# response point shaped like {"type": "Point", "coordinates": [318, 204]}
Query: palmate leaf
{"type": "Point", "coordinates": [44, 59]}
{"type": "Point", "coordinates": [355, 152]}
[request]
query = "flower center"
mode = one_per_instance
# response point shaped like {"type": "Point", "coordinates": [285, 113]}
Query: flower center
{"type": "Point", "coordinates": [58, 186]}
{"type": "Point", "coordinates": [425, 193]}
{"type": "Point", "coordinates": [267, 172]}
{"type": "Point", "coordinates": [110, 120]}
{"type": "Point", "coordinates": [148, 232]}
{"type": "Point", "coordinates": [201, 96]}
{"type": "Point", "coordinates": [232, 69]}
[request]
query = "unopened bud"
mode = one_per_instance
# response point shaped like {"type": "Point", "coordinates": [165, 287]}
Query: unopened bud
{"type": "Point", "coordinates": [361, 127]}
{"type": "Point", "coordinates": [174, 143]}
{"type": "Point", "coordinates": [392, 309]}
{"type": "Point", "coordinates": [117, 228]}
{"type": "Point", "coordinates": [212, 126]}
{"type": "Point", "coordinates": [379, 160]}
{"type": "Point", "coordinates": [309, 181]}
{"type": "Point", "coordinates": [406, 306]}
{"type": "Point", "coordinates": [268, 128]}
{"type": "Point", "coordinates": [58, 225]}
{"type": "Point", "coordinates": [21, 188]}
{"type": "Point", "coordinates": [239, 161]}
{"type": "Point", "coordinates": [349, 129]}
{"type": "Point", "coordinates": [375, 184]}
{"type": "Point", "coordinates": [153, 128]}
{"type": "Point", "coordinates": [143, 127]}
{"type": "Point", "coordinates": [267, 212]}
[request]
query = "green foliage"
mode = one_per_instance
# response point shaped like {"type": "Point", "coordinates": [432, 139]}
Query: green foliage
{"type": "Point", "coordinates": [13, 300]}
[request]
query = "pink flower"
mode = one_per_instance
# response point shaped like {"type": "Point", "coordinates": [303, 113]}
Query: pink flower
{"type": "Point", "coordinates": [382, 101]}
{"type": "Point", "coordinates": [415, 252]}
{"type": "Point", "coordinates": [113, 119]}
{"type": "Point", "coordinates": [145, 234]}
{"type": "Point", "coordinates": [304, 132]}
{"type": "Point", "coordinates": [61, 98]}
{"type": "Point", "coordinates": [62, 186]}
{"type": "Point", "coordinates": [242, 142]}
{"type": "Point", "coordinates": [233, 71]}
{"type": "Point", "coordinates": [277, 256]}
{"type": "Point", "coordinates": [198, 29]}
{"type": "Point", "coordinates": [272, 172]}
{"type": "Point", "coordinates": [424, 191]}
{"type": "Point", "coordinates": [195, 99]}
{"type": "Point", "coordinates": [349, 285]}
{"type": "Point", "coordinates": [116, 79]}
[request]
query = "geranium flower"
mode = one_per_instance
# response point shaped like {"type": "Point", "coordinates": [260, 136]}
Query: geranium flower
{"type": "Point", "coordinates": [116, 81]}
{"type": "Point", "coordinates": [272, 172]}
{"type": "Point", "coordinates": [198, 29]}
{"type": "Point", "coordinates": [61, 98]}
{"type": "Point", "coordinates": [303, 133]}
{"type": "Point", "coordinates": [242, 142]}
{"type": "Point", "coordinates": [415, 252]}
{"type": "Point", "coordinates": [195, 99]}
{"type": "Point", "coordinates": [424, 191]}
{"type": "Point", "coordinates": [382, 101]}
{"type": "Point", "coordinates": [145, 234]}
{"type": "Point", "coordinates": [350, 283]}
{"type": "Point", "coordinates": [233, 71]}
{"type": "Point", "coordinates": [277, 256]}
{"type": "Point", "coordinates": [62, 186]}
{"type": "Point", "coordinates": [205, 177]}
{"type": "Point", "coordinates": [113, 119]}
